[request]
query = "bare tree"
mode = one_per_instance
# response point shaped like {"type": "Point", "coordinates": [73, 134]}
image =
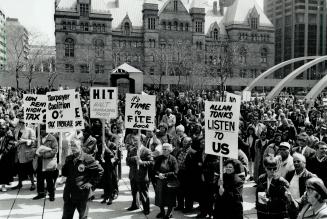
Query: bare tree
{"type": "Point", "coordinates": [17, 56]}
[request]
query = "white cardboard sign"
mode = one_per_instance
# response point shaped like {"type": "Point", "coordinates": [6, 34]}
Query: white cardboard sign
{"type": "Point", "coordinates": [103, 102]}
{"type": "Point", "coordinates": [79, 120]}
{"type": "Point", "coordinates": [140, 111]}
{"type": "Point", "coordinates": [60, 111]}
{"type": "Point", "coordinates": [221, 127]}
{"type": "Point", "coordinates": [34, 108]}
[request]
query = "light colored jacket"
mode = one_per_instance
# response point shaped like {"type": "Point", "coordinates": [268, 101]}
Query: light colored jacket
{"type": "Point", "coordinates": [307, 213]}
{"type": "Point", "coordinates": [49, 158]}
{"type": "Point", "coordinates": [25, 144]}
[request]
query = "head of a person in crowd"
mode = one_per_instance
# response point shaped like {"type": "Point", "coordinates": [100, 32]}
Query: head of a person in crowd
{"type": "Point", "coordinates": [323, 129]}
{"type": "Point", "coordinates": [6, 117]}
{"type": "Point", "coordinates": [269, 114]}
{"type": "Point", "coordinates": [316, 192]}
{"type": "Point", "coordinates": [180, 130]}
{"type": "Point", "coordinates": [250, 131]}
{"type": "Point", "coordinates": [299, 162]}
{"type": "Point", "coordinates": [277, 137]}
{"type": "Point", "coordinates": [189, 112]}
{"type": "Point", "coordinates": [43, 132]}
{"type": "Point", "coordinates": [168, 111]}
{"type": "Point", "coordinates": [309, 129]}
{"type": "Point", "coordinates": [136, 140]}
{"type": "Point", "coordinates": [279, 111]}
{"type": "Point", "coordinates": [187, 142]}
{"type": "Point", "coordinates": [166, 149]}
{"type": "Point", "coordinates": [163, 128]}
{"type": "Point", "coordinates": [270, 164]}
{"type": "Point", "coordinates": [302, 139]}
{"type": "Point", "coordinates": [202, 144]}
{"type": "Point", "coordinates": [197, 129]}
{"type": "Point", "coordinates": [263, 135]}
{"type": "Point", "coordinates": [284, 150]}
{"type": "Point", "coordinates": [76, 146]}
{"type": "Point", "coordinates": [176, 109]}
{"type": "Point", "coordinates": [283, 119]}
{"type": "Point", "coordinates": [3, 129]}
{"type": "Point", "coordinates": [12, 114]}
{"type": "Point", "coordinates": [232, 166]}
{"type": "Point", "coordinates": [114, 128]}
{"type": "Point", "coordinates": [321, 151]}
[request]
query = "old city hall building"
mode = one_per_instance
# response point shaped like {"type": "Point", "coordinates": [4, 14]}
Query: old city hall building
{"type": "Point", "coordinates": [173, 42]}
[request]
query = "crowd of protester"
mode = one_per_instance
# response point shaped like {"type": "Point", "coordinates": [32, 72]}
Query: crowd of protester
{"type": "Point", "coordinates": [282, 149]}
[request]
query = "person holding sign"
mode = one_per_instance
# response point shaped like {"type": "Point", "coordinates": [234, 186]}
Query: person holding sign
{"type": "Point", "coordinates": [228, 203]}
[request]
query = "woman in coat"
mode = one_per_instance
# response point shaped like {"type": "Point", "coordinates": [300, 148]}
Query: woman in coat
{"type": "Point", "coordinates": [316, 193]}
{"type": "Point", "coordinates": [228, 203]}
{"type": "Point", "coordinates": [259, 148]}
{"type": "Point", "coordinates": [166, 169]}
{"type": "Point", "coordinates": [271, 199]}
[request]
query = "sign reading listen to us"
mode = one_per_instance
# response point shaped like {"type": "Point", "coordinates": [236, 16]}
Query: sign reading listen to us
{"type": "Point", "coordinates": [60, 111]}
{"type": "Point", "coordinates": [140, 111]}
{"type": "Point", "coordinates": [221, 127]}
{"type": "Point", "coordinates": [103, 102]}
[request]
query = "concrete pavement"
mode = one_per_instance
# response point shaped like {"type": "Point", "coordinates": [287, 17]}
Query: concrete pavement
{"type": "Point", "coordinates": [15, 204]}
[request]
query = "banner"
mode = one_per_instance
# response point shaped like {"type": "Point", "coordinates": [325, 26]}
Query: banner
{"type": "Point", "coordinates": [60, 111]}
{"type": "Point", "coordinates": [34, 108]}
{"type": "Point", "coordinates": [103, 102]}
{"type": "Point", "coordinates": [79, 120]}
{"type": "Point", "coordinates": [140, 111]}
{"type": "Point", "coordinates": [221, 127]}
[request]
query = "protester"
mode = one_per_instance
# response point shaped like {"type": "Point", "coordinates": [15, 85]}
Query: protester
{"type": "Point", "coordinates": [83, 174]}
{"type": "Point", "coordinates": [166, 169]}
{"type": "Point", "coordinates": [228, 203]}
{"type": "Point", "coordinates": [46, 164]}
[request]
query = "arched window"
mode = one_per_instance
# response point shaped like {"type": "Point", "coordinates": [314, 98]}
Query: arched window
{"type": "Point", "coordinates": [94, 27]}
{"type": "Point", "coordinates": [243, 54]}
{"type": "Point", "coordinates": [215, 34]}
{"type": "Point", "coordinates": [127, 29]}
{"type": "Point", "coordinates": [181, 27]}
{"type": "Point", "coordinates": [264, 55]}
{"type": "Point", "coordinates": [169, 25]}
{"type": "Point", "coordinates": [176, 25]}
{"type": "Point", "coordinates": [64, 27]}
{"type": "Point", "coordinates": [69, 47]}
{"type": "Point", "coordinates": [99, 48]}
{"type": "Point", "coordinates": [186, 27]}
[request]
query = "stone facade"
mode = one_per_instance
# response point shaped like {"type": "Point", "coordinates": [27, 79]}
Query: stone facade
{"type": "Point", "coordinates": [171, 41]}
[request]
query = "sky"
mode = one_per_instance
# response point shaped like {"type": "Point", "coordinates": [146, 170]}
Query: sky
{"type": "Point", "coordinates": [37, 15]}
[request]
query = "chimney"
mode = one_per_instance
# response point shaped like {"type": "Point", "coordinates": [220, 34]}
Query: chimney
{"type": "Point", "coordinates": [221, 6]}
{"type": "Point", "coordinates": [215, 7]}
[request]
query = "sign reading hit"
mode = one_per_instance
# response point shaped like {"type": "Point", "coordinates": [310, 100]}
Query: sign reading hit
{"type": "Point", "coordinates": [103, 102]}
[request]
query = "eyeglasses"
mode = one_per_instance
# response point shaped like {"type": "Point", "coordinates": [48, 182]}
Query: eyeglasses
{"type": "Point", "coordinates": [271, 168]}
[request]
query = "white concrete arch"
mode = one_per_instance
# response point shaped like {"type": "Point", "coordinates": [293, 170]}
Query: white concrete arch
{"type": "Point", "coordinates": [316, 90]}
{"type": "Point", "coordinates": [277, 89]}
{"type": "Point", "coordinates": [275, 68]}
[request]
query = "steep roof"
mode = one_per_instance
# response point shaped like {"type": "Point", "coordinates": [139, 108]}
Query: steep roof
{"type": "Point", "coordinates": [238, 13]}
{"type": "Point", "coordinates": [126, 68]}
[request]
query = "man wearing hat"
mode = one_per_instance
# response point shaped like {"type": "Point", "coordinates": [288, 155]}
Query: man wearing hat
{"type": "Point", "coordinates": [283, 153]}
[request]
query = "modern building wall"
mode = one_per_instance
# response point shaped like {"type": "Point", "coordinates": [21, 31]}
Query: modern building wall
{"type": "Point", "coordinates": [154, 35]}
{"type": "Point", "coordinates": [300, 31]}
{"type": "Point", "coordinates": [3, 49]}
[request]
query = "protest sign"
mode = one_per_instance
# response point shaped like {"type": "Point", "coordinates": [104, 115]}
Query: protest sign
{"type": "Point", "coordinates": [246, 95]}
{"type": "Point", "coordinates": [221, 127]}
{"type": "Point", "coordinates": [140, 111]}
{"type": "Point", "coordinates": [60, 111]}
{"type": "Point", "coordinates": [79, 120]}
{"type": "Point", "coordinates": [34, 108]}
{"type": "Point", "coordinates": [103, 102]}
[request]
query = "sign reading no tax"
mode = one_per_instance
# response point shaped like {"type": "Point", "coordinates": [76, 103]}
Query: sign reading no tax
{"type": "Point", "coordinates": [103, 102]}
{"type": "Point", "coordinates": [140, 111]}
{"type": "Point", "coordinates": [60, 111]}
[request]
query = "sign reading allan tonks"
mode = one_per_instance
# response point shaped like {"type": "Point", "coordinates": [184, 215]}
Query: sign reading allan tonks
{"type": "Point", "coordinates": [103, 102]}
{"type": "Point", "coordinates": [221, 128]}
{"type": "Point", "coordinates": [34, 108]}
{"type": "Point", "coordinates": [140, 111]}
{"type": "Point", "coordinates": [60, 111]}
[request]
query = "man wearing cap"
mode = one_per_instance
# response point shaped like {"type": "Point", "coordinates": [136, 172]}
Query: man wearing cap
{"type": "Point", "coordinates": [302, 142]}
{"type": "Point", "coordinates": [286, 159]}
{"type": "Point", "coordinates": [318, 163]}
